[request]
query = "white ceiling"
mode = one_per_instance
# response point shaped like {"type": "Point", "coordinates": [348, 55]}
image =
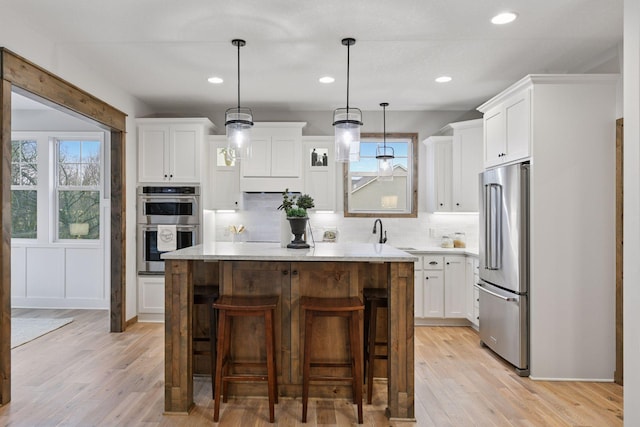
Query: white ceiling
{"type": "Point", "coordinates": [163, 51]}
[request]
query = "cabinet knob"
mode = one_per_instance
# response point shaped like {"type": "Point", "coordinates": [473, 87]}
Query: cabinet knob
{"type": "Point", "coordinates": [294, 273]}
{"type": "Point", "coordinates": [447, 262]}
{"type": "Point", "coordinates": [441, 204]}
{"type": "Point", "coordinates": [457, 204]}
{"type": "Point", "coordinates": [285, 272]}
{"type": "Point", "coordinates": [165, 176]}
{"type": "Point", "coordinates": [426, 278]}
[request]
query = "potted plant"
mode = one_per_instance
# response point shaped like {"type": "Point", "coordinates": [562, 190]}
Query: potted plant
{"type": "Point", "coordinates": [295, 208]}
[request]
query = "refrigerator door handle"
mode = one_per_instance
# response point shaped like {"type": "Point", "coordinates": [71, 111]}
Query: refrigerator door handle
{"type": "Point", "coordinates": [493, 226]}
{"type": "Point", "coordinates": [483, 289]}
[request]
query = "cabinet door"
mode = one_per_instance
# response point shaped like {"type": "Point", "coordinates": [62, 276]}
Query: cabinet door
{"type": "Point", "coordinates": [319, 175]}
{"type": "Point", "coordinates": [184, 153]}
{"type": "Point", "coordinates": [433, 294]}
{"type": "Point", "coordinates": [454, 287]}
{"type": "Point", "coordinates": [442, 170]}
{"type": "Point", "coordinates": [153, 153]}
{"type": "Point", "coordinates": [466, 165]}
{"type": "Point", "coordinates": [495, 146]}
{"type": "Point", "coordinates": [225, 176]}
{"type": "Point", "coordinates": [285, 156]}
{"type": "Point", "coordinates": [259, 164]}
{"type": "Point", "coordinates": [517, 113]}
{"type": "Point", "coordinates": [151, 294]}
{"type": "Point", "coordinates": [418, 294]}
{"type": "Point", "coordinates": [469, 288]}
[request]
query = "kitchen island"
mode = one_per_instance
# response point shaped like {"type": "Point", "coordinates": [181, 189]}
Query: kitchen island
{"type": "Point", "coordinates": [326, 270]}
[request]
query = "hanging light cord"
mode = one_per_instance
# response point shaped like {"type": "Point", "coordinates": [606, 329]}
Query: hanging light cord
{"type": "Point", "coordinates": [238, 76]}
{"type": "Point", "coordinates": [384, 127]}
{"type": "Point", "coordinates": [348, 46]}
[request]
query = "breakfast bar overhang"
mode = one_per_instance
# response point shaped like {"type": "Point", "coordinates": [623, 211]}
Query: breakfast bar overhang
{"type": "Point", "coordinates": [326, 270]}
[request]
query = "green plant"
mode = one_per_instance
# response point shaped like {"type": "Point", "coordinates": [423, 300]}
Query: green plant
{"type": "Point", "coordinates": [296, 206]}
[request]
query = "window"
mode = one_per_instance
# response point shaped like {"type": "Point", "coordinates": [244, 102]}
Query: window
{"type": "Point", "coordinates": [366, 196]}
{"type": "Point", "coordinates": [78, 186]}
{"type": "Point", "coordinates": [24, 188]}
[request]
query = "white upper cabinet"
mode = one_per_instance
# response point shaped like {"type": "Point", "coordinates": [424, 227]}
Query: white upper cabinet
{"type": "Point", "coordinates": [453, 165]}
{"type": "Point", "coordinates": [319, 168]}
{"type": "Point", "coordinates": [223, 189]}
{"type": "Point", "coordinates": [169, 150]}
{"type": "Point", "coordinates": [507, 129]}
{"type": "Point", "coordinates": [276, 158]}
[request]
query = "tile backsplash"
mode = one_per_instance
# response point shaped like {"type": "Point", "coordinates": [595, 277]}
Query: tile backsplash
{"type": "Point", "coordinates": [262, 220]}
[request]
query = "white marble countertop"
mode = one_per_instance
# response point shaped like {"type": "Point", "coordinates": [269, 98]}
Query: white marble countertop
{"type": "Point", "coordinates": [439, 250]}
{"type": "Point", "coordinates": [367, 252]}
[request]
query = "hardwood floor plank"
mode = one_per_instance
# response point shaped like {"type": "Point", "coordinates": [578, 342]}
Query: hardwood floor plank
{"type": "Point", "coordinates": [82, 375]}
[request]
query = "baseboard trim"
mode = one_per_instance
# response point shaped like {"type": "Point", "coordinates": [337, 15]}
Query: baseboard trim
{"type": "Point", "coordinates": [131, 321]}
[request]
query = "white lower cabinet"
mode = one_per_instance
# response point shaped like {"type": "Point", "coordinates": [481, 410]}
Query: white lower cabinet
{"type": "Point", "coordinates": [472, 297]}
{"type": "Point", "coordinates": [441, 288]}
{"type": "Point", "coordinates": [151, 298]}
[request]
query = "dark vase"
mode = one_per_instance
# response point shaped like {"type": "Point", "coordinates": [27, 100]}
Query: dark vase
{"type": "Point", "coordinates": [298, 226]}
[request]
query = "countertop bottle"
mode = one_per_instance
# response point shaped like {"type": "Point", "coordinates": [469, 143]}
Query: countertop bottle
{"type": "Point", "coordinates": [459, 240]}
{"type": "Point", "coordinates": [446, 242]}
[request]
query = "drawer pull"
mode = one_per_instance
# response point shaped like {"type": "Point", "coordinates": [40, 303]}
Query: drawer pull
{"type": "Point", "coordinates": [433, 263]}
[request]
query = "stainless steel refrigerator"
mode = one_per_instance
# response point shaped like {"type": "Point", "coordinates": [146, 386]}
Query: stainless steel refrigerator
{"type": "Point", "coordinates": [504, 263]}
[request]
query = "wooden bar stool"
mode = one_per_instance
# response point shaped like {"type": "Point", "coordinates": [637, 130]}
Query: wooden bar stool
{"type": "Point", "coordinates": [333, 307]}
{"type": "Point", "coordinates": [374, 298]}
{"type": "Point", "coordinates": [207, 295]}
{"type": "Point", "coordinates": [228, 308]}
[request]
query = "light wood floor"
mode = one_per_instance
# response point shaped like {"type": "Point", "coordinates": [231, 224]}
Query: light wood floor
{"type": "Point", "coordinates": [81, 375]}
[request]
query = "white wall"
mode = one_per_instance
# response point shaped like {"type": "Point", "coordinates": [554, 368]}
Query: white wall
{"type": "Point", "coordinates": [631, 212]}
{"type": "Point", "coordinates": [20, 36]}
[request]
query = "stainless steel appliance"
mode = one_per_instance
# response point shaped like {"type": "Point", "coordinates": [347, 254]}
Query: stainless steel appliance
{"type": "Point", "coordinates": [504, 263]}
{"type": "Point", "coordinates": [165, 205]}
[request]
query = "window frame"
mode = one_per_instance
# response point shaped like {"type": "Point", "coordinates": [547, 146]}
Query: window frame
{"type": "Point", "coordinates": [412, 191]}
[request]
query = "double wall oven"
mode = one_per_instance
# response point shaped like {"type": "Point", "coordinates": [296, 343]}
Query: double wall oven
{"type": "Point", "coordinates": [175, 206]}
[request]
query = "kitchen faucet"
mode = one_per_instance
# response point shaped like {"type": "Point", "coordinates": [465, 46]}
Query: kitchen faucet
{"type": "Point", "coordinates": [375, 223]}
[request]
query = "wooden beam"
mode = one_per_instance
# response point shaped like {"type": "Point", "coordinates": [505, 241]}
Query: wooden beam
{"type": "Point", "coordinates": [618, 373]}
{"type": "Point", "coordinates": [5, 246]}
{"type": "Point", "coordinates": [118, 232]}
{"type": "Point", "coordinates": [30, 77]}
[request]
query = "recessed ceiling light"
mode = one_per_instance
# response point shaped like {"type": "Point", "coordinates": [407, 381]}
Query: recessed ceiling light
{"type": "Point", "coordinates": [504, 18]}
{"type": "Point", "coordinates": [443, 79]}
{"type": "Point", "coordinates": [326, 79]}
{"type": "Point", "coordinates": [215, 80]}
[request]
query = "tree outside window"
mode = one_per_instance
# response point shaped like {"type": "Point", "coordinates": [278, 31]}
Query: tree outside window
{"type": "Point", "coordinates": [24, 194]}
{"type": "Point", "coordinates": [78, 189]}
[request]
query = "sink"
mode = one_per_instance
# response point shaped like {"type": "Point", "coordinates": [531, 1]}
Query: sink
{"type": "Point", "coordinates": [407, 249]}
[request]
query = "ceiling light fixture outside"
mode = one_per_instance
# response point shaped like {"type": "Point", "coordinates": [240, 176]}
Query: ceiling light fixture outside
{"type": "Point", "coordinates": [238, 121]}
{"type": "Point", "coordinates": [504, 18]}
{"type": "Point", "coordinates": [215, 80]}
{"type": "Point", "coordinates": [384, 154]}
{"type": "Point", "coordinates": [347, 122]}
{"type": "Point", "coordinates": [443, 79]}
{"type": "Point", "coordinates": [326, 79]}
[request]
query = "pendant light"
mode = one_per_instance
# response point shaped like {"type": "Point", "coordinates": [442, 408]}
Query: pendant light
{"type": "Point", "coordinates": [384, 154]}
{"type": "Point", "coordinates": [347, 122]}
{"type": "Point", "coordinates": [239, 121]}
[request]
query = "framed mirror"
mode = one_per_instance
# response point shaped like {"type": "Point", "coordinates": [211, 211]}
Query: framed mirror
{"type": "Point", "coordinates": [365, 195]}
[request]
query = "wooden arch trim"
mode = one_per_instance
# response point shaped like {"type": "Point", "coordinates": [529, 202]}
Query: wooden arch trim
{"type": "Point", "coordinates": [18, 72]}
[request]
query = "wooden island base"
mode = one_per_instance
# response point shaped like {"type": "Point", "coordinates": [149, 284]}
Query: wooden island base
{"type": "Point", "coordinates": [289, 281]}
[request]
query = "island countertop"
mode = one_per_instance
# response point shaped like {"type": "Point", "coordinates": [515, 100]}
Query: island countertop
{"type": "Point", "coordinates": [347, 252]}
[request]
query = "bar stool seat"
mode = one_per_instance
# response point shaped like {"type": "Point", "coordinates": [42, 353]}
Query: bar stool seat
{"type": "Point", "coordinates": [348, 308]}
{"type": "Point", "coordinates": [207, 295]}
{"type": "Point", "coordinates": [229, 307]}
{"type": "Point", "coordinates": [374, 298]}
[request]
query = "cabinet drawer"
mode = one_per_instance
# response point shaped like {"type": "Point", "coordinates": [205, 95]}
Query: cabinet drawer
{"type": "Point", "coordinates": [433, 262]}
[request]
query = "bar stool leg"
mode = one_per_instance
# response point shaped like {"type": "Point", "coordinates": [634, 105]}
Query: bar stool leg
{"type": "Point", "coordinates": [371, 348]}
{"type": "Point", "coordinates": [271, 373]}
{"type": "Point", "coordinates": [357, 374]}
{"type": "Point", "coordinates": [227, 357]}
{"type": "Point", "coordinates": [213, 327]}
{"type": "Point", "coordinates": [365, 342]}
{"type": "Point", "coordinates": [306, 363]}
{"type": "Point", "coordinates": [220, 355]}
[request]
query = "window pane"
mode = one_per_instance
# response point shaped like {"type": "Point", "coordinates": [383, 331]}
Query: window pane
{"type": "Point", "coordinates": [24, 163]}
{"type": "Point", "coordinates": [69, 151]}
{"type": "Point", "coordinates": [79, 163]}
{"type": "Point", "coordinates": [24, 209]}
{"type": "Point", "coordinates": [79, 215]}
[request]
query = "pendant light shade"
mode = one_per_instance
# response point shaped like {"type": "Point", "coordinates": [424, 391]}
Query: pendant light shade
{"type": "Point", "coordinates": [384, 154]}
{"type": "Point", "coordinates": [238, 121]}
{"type": "Point", "coordinates": [347, 122]}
